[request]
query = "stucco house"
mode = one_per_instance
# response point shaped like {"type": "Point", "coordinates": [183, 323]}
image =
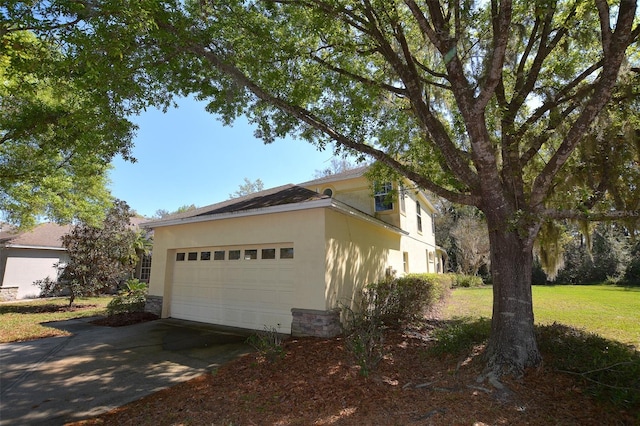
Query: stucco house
{"type": "Point", "coordinates": [29, 256]}
{"type": "Point", "coordinates": [289, 256]}
{"type": "Point", "coordinates": [26, 257]}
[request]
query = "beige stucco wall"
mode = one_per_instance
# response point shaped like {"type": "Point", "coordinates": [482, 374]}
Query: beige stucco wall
{"type": "Point", "coordinates": [22, 267]}
{"type": "Point", "coordinates": [357, 254]}
{"type": "Point", "coordinates": [303, 229]}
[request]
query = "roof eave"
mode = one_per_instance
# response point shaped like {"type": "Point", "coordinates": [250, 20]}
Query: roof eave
{"type": "Point", "coordinates": [325, 202]}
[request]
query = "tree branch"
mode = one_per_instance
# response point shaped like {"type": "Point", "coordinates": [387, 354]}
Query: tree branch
{"type": "Point", "coordinates": [614, 54]}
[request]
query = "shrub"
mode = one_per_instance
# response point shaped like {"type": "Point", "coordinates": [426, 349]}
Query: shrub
{"type": "Point", "coordinates": [364, 332]}
{"type": "Point", "coordinates": [466, 281]}
{"type": "Point", "coordinates": [130, 299]}
{"type": "Point", "coordinates": [460, 335]}
{"type": "Point", "coordinates": [404, 299]}
{"type": "Point", "coordinates": [268, 343]}
{"type": "Point", "coordinates": [609, 369]}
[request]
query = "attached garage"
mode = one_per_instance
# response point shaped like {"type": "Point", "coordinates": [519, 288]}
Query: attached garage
{"type": "Point", "coordinates": [239, 286]}
{"type": "Point", "coordinates": [287, 258]}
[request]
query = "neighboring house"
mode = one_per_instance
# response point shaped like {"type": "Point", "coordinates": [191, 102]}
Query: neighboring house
{"type": "Point", "coordinates": [288, 257]}
{"type": "Point", "coordinates": [26, 257]}
{"type": "Point", "coordinates": [29, 256]}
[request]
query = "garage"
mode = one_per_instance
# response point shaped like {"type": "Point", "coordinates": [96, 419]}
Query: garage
{"type": "Point", "coordinates": [247, 286]}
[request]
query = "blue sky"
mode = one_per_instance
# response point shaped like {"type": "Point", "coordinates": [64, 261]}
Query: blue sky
{"type": "Point", "coordinates": [186, 156]}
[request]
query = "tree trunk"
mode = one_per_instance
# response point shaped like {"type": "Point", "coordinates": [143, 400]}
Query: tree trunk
{"type": "Point", "coordinates": [512, 345]}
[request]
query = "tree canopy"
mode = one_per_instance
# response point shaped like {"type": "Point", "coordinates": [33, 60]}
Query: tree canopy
{"type": "Point", "coordinates": [526, 110]}
{"type": "Point", "coordinates": [62, 119]}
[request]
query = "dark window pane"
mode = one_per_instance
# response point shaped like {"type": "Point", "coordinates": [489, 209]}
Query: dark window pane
{"type": "Point", "coordinates": [268, 253]}
{"type": "Point", "coordinates": [286, 253]}
{"type": "Point", "coordinates": [179, 257]}
{"type": "Point", "coordinates": [250, 254]}
{"type": "Point", "coordinates": [234, 254]}
{"type": "Point", "coordinates": [205, 255]}
{"type": "Point", "coordinates": [193, 255]}
{"type": "Point", "coordinates": [218, 255]}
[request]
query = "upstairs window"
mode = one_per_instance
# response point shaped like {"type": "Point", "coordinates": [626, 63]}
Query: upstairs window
{"type": "Point", "coordinates": [382, 197]}
{"type": "Point", "coordinates": [419, 216]}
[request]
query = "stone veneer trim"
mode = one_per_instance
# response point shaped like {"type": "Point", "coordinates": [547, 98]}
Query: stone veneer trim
{"type": "Point", "coordinates": [154, 305]}
{"type": "Point", "coordinates": [8, 294]}
{"type": "Point", "coordinates": [316, 323]}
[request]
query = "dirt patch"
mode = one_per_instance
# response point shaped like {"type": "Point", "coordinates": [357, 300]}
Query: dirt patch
{"type": "Point", "coordinates": [317, 383]}
{"type": "Point", "coordinates": [120, 320]}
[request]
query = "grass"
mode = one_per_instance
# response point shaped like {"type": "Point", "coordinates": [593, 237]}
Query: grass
{"type": "Point", "coordinates": [609, 311]}
{"type": "Point", "coordinates": [27, 320]}
{"type": "Point", "coordinates": [585, 331]}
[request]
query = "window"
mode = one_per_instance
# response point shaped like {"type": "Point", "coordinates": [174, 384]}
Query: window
{"type": "Point", "coordinates": [234, 254]}
{"type": "Point", "coordinates": [250, 254]}
{"type": "Point", "coordinates": [402, 195]}
{"type": "Point", "coordinates": [218, 255]}
{"type": "Point", "coordinates": [193, 255]}
{"type": "Point", "coordinates": [179, 257]}
{"type": "Point", "coordinates": [405, 262]}
{"type": "Point", "coordinates": [433, 223]}
{"type": "Point", "coordinates": [205, 255]}
{"type": "Point", "coordinates": [328, 192]}
{"type": "Point", "coordinates": [382, 198]}
{"type": "Point", "coordinates": [286, 253]}
{"type": "Point", "coordinates": [145, 268]}
{"type": "Point", "coordinates": [419, 216]}
{"type": "Point", "coordinates": [268, 254]}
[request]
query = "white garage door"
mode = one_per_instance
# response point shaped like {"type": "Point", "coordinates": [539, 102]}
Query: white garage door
{"type": "Point", "coordinates": [249, 286]}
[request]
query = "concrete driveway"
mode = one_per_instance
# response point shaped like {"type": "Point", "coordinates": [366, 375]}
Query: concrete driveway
{"type": "Point", "coordinates": [60, 379]}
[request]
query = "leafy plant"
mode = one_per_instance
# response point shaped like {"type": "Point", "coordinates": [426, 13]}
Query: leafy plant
{"type": "Point", "coordinates": [130, 299]}
{"type": "Point", "coordinates": [460, 335]}
{"type": "Point", "coordinates": [610, 370]}
{"type": "Point", "coordinates": [466, 281]}
{"type": "Point", "coordinates": [404, 299]}
{"type": "Point", "coordinates": [268, 343]}
{"type": "Point", "coordinates": [363, 328]}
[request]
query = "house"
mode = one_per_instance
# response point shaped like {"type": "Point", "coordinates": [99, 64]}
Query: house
{"type": "Point", "coordinates": [26, 257]}
{"type": "Point", "coordinates": [29, 256]}
{"type": "Point", "coordinates": [288, 257]}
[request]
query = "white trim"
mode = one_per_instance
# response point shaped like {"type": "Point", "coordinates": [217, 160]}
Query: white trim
{"type": "Point", "coordinates": [305, 205]}
{"type": "Point", "coordinates": [17, 246]}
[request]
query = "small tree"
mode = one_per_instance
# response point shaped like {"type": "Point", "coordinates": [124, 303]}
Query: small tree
{"type": "Point", "coordinates": [248, 188]}
{"type": "Point", "coordinates": [99, 256]}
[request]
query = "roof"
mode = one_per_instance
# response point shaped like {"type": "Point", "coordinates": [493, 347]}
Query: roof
{"type": "Point", "coordinates": [349, 174]}
{"type": "Point", "coordinates": [278, 196]}
{"type": "Point", "coordinates": [279, 199]}
{"type": "Point", "coordinates": [44, 235]}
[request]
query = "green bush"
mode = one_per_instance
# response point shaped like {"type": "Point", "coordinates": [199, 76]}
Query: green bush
{"type": "Point", "coordinates": [466, 281]}
{"type": "Point", "coordinates": [404, 299]}
{"type": "Point", "coordinates": [268, 343]}
{"type": "Point", "coordinates": [131, 299]}
{"type": "Point", "coordinates": [364, 332]}
{"type": "Point", "coordinates": [460, 335]}
{"type": "Point", "coordinates": [609, 369]}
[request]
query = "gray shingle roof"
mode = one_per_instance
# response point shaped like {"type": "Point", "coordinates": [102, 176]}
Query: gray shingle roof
{"type": "Point", "coordinates": [281, 195]}
{"type": "Point", "coordinates": [43, 235]}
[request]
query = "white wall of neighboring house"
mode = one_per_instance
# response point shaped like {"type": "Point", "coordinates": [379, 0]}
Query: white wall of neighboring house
{"type": "Point", "coordinates": [23, 266]}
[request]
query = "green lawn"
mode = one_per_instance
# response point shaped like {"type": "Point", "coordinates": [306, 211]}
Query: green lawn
{"type": "Point", "coordinates": [611, 312]}
{"type": "Point", "coordinates": [26, 320]}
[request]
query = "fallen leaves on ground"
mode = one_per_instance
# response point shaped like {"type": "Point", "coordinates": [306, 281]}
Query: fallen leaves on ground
{"type": "Point", "coordinates": [317, 383]}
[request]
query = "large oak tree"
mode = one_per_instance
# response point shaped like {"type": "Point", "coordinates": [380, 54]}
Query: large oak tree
{"type": "Point", "coordinates": [523, 109]}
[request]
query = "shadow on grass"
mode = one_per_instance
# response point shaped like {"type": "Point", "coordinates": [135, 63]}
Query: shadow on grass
{"type": "Point", "coordinates": [42, 309]}
{"type": "Point", "coordinates": [609, 370]}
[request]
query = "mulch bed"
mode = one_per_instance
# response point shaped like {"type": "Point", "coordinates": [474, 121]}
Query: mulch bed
{"type": "Point", "coordinates": [317, 383]}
